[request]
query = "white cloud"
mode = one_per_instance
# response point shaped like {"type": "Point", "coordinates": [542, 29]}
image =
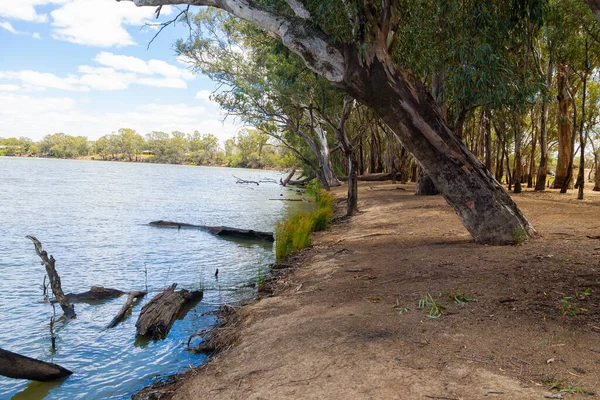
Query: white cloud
{"type": "Point", "coordinates": [43, 80]}
{"type": "Point", "coordinates": [173, 83]}
{"type": "Point", "coordinates": [100, 22]}
{"type": "Point", "coordinates": [8, 26]}
{"type": "Point", "coordinates": [64, 114]}
{"type": "Point", "coordinates": [36, 35]}
{"type": "Point", "coordinates": [9, 88]}
{"type": "Point", "coordinates": [134, 64]}
{"type": "Point", "coordinates": [25, 9]}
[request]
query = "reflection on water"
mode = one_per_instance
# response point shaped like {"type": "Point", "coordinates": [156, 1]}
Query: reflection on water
{"type": "Point", "coordinates": [92, 216]}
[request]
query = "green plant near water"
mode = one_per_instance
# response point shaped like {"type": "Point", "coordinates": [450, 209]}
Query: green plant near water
{"type": "Point", "coordinates": [434, 308]}
{"type": "Point", "coordinates": [295, 233]}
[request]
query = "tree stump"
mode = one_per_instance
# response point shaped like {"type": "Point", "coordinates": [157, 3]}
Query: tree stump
{"type": "Point", "coordinates": [157, 317]}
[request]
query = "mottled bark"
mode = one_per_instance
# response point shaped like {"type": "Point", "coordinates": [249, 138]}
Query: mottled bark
{"type": "Point", "coordinates": [425, 186]}
{"type": "Point", "coordinates": [565, 133]}
{"type": "Point", "coordinates": [518, 161]}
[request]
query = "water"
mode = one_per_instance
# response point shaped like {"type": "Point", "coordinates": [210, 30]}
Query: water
{"type": "Point", "coordinates": [92, 217]}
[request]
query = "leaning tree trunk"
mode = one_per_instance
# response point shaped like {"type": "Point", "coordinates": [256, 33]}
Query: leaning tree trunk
{"type": "Point", "coordinates": [324, 157]}
{"type": "Point", "coordinates": [401, 100]}
{"type": "Point", "coordinates": [565, 133]}
{"type": "Point", "coordinates": [484, 207]}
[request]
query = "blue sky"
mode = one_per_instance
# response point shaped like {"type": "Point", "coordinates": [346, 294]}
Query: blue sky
{"type": "Point", "coordinates": [82, 67]}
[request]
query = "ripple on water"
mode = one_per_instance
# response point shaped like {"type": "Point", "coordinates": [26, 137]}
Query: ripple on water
{"type": "Point", "coordinates": [94, 223]}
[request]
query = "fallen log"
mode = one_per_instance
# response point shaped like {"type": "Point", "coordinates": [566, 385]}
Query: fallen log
{"type": "Point", "coordinates": [96, 293]}
{"type": "Point", "coordinates": [128, 303]}
{"type": "Point", "coordinates": [217, 230]}
{"type": "Point", "coordinates": [157, 317]}
{"type": "Point", "coordinates": [287, 178]}
{"type": "Point", "coordinates": [16, 366]}
{"type": "Point", "coordinates": [67, 307]}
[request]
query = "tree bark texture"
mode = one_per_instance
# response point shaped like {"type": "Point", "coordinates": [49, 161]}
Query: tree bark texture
{"type": "Point", "coordinates": [518, 161]}
{"type": "Point", "coordinates": [157, 317]}
{"type": "Point", "coordinates": [400, 99]}
{"type": "Point", "coordinates": [565, 133]}
{"type": "Point", "coordinates": [65, 304]}
{"type": "Point", "coordinates": [16, 366]}
{"type": "Point", "coordinates": [540, 183]}
{"type": "Point", "coordinates": [425, 186]}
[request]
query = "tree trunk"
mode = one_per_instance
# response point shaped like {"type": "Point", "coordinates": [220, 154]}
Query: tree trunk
{"type": "Point", "coordinates": [532, 160]}
{"type": "Point", "coordinates": [565, 133]}
{"type": "Point", "coordinates": [400, 99]}
{"type": "Point", "coordinates": [425, 186]}
{"type": "Point", "coordinates": [540, 183]}
{"type": "Point", "coordinates": [518, 162]}
{"type": "Point", "coordinates": [65, 304]}
{"type": "Point", "coordinates": [487, 130]}
{"type": "Point", "coordinates": [352, 203]}
{"type": "Point", "coordinates": [581, 173]}
{"type": "Point", "coordinates": [597, 177]}
{"type": "Point", "coordinates": [17, 366]}
{"type": "Point", "coordinates": [324, 157]}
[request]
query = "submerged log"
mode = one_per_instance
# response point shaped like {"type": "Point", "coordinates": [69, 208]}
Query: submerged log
{"type": "Point", "coordinates": [157, 317]}
{"type": "Point", "coordinates": [17, 366]}
{"type": "Point", "coordinates": [67, 307]}
{"type": "Point", "coordinates": [217, 230]}
{"type": "Point", "coordinates": [128, 303]}
{"type": "Point", "coordinates": [96, 293]}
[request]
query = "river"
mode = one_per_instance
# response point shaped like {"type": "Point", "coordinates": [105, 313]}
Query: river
{"type": "Point", "coordinates": [92, 217]}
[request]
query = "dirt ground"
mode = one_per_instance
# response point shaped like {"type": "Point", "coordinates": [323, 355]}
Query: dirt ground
{"type": "Point", "coordinates": [345, 323]}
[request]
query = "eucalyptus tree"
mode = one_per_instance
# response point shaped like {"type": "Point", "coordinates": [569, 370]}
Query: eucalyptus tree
{"type": "Point", "coordinates": [265, 85]}
{"type": "Point", "coordinates": [350, 43]}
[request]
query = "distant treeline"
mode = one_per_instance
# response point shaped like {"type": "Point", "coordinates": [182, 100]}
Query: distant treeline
{"type": "Point", "coordinates": [249, 149]}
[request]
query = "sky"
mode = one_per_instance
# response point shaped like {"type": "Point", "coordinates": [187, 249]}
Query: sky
{"type": "Point", "coordinates": [83, 67]}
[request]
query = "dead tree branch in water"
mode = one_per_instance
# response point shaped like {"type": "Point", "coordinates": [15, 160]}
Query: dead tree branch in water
{"type": "Point", "coordinates": [240, 180]}
{"type": "Point", "coordinates": [67, 307]}
{"type": "Point", "coordinates": [128, 303]}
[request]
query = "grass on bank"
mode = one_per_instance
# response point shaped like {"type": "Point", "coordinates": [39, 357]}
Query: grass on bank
{"type": "Point", "coordinates": [295, 233]}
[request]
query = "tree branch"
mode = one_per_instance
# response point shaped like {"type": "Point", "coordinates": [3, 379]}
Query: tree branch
{"type": "Point", "coordinates": [298, 9]}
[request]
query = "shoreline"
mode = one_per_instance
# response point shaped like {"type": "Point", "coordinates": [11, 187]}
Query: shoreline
{"type": "Point", "coordinates": [343, 320]}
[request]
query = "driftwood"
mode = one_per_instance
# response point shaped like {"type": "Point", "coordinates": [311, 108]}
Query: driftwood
{"type": "Point", "coordinates": [217, 230]}
{"type": "Point", "coordinates": [67, 307]}
{"type": "Point", "coordinates": [96, 293]}
{"type": "Point", "coordinates": [128, 303]}
{"type": "Point", "coordinates": [387, 189]}
{"type": "Point", "coordinates": [17, 366]}
{"type": "Point", "coordinates": [287, 178]}
{"type": "Point", "coordinates": [157, 317]}
{"type": "Point", "coordinates": [240, 180]}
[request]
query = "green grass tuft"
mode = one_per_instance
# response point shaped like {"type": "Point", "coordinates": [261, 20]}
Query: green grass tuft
{"type": "Point", "coordinates": [295, 233]}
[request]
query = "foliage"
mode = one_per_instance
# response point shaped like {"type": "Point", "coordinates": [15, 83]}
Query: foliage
{"type": "Point", "coordinates": [459, 297]}
{"type": "Point", "coordinates": [571, 305]}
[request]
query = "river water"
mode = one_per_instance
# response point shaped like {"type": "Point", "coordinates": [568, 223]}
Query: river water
{"type": "Point", "coordinates": [92, 217]}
